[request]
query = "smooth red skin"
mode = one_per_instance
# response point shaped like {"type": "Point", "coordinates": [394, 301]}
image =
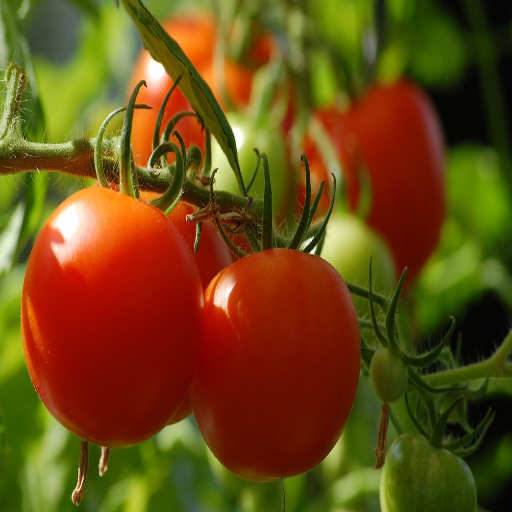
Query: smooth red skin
{"type": "Point", "coordinates": [196, 35]}
{"type": "Point", "coordinates": [213, 254]}
{"type": "Point", "coordinates": [395, 133]}
{"type": "Point", "coordinates": [279, 364]}
{"type": "Point", "coordinates": [211, 257]}
{"type": "Point", "coordinates": [111, 317]}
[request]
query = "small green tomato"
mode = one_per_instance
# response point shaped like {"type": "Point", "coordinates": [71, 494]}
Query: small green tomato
{"type": "Point", "coordinates": [388, 375]}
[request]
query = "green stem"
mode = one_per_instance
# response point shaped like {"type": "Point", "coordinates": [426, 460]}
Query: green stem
{"type": "Point", "coordinates": [16, 81]}
{"type": "Point", "coordinates": [494, 367]}
{"type": "Point", "coordinates": [76, 158]}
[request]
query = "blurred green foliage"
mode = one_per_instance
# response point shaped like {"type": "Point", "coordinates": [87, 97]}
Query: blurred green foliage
{"type": "Point", "coordinates": [38, 458]}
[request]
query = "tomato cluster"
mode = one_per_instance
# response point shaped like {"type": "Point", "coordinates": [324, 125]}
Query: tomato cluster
{"type": "Point", "coordinates": [265, 350]}
{"type": "Point", "coordinates": [136, 345]}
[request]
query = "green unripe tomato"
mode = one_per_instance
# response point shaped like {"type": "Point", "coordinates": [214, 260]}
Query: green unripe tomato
{"type": "Point", "coordinates": [417, 476]}
{"type": "Point", "coordinates": [268, 138]}
{"type": "Point", "coordinates": [349, 244]}
{"type": "Point", "coordinates": [388, 375]}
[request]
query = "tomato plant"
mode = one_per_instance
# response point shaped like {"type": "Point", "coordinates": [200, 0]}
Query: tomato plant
{"type": "Point", "coordinates": [267, 137]}
{"type": "Point", "coordinates": [211, 257]}
{"type": "Point", "coordinates": [391, 138]}
{"type": "Point", "coordinates": [196, 34]}
{"type": "Point", "coordinates": [417, 474]}
{"type": "Point", "coordinates": [112, 314]}
{"type": "Point", "coordinates": [212, 254]}
{"type": "Point", "coordinates": [279, 364]}
{"type": "Point", "coordinates": [348, 246]}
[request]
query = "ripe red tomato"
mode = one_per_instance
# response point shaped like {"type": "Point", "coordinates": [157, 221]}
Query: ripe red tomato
{"type": "Point", "coordinates": [394, 133]}
{"type": "Point", "coordinates": [211, 257]}
{"type": "Point", "coordinates": [111, 317]}
{"type": "Point", "coordinates": [196, 35]}
{"type": "Point", "coordinates": [213, 254]}
{"type": "Point", "coordinates": [279, 364]}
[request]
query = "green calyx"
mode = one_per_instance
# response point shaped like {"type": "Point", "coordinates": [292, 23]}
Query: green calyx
{"type": "Point", "coordinates": [436, 426]}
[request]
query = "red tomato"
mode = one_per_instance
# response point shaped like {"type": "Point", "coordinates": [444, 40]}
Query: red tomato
{"type": "Point", "coordinates": [394, 133]}
{"type": "Point", "coordinates": [279, 364]}
{"type": "Point", "coordinates": [111, 317]}
{"type": "Point", "coordinates": [211, 257]}
{"type": "Point", "coordinates": [196, 35]}
{"type": "Point", "coordinates": [213, 254]}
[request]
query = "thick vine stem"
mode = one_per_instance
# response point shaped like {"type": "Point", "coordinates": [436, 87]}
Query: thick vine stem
{"type": "Point", "coordinates": [497, 366]}
{"type": "Point", "coordinates": [76, 158]}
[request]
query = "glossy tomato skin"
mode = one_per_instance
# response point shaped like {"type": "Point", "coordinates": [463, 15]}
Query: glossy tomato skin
{"type": "Point", "coordinates": [111, 317]}
{"type": "Point", "coordinates": [279, 364]}
{"type": "Point", "coordinates": [417, 476]}
{"type": "Point", "coordinates": [394, 133]}
{"type": "Point", "coordinates": [196, 35]}
{"type": "Point", "coordinates": [211, 257]}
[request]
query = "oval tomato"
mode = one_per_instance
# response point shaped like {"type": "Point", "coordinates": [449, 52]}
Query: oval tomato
{"type": "Point", "coordinates": [348, 246]}
{"type": "Point", "coordinates": [393, 135]}
{"type": "Point", "coordinates": [279, 364]}
{"type": "Point", "coordinates": [196, 35]}
{"type": "Point", "coordinates": [111, 317]}
{"type": "Point", "coordinates": [418, 475]}
{"type": "Point", "coordinates": [389, 375]}
{"type": "Point", "coordinates": [268, 138]}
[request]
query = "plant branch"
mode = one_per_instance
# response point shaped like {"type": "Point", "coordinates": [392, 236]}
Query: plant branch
{"type": "Point", "coordinates": [494, 367]}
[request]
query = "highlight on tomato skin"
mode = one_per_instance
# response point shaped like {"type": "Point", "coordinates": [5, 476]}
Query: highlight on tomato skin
{"type": "Point", "coordinates": [112, 317]}
{"type": "Point", "coordinates": [279, 364]}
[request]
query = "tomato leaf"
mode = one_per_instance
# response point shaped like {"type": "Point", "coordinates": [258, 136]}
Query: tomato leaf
{"type": "Point", "coordinates": [166, 51]}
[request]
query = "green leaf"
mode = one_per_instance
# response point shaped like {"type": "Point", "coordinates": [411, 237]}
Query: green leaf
{"type": "Point", "coordinates": [166, 51]}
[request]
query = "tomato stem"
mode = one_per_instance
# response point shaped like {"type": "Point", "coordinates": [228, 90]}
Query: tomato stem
{"type": "Point", "coordinates": [267, 227]}
{"type": "Point", "coordinates": [380, 449]}
{"type": "Point", "coordinates": [494, 367]}
{"type": "Point", "coordinates": [105, 456]}
{"type": "Point", "coordinates": [83, 465]}
{"type": "Point", "coordinates": [16, 81]}
{"type": "Point", "coordinates": [126, 179]}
